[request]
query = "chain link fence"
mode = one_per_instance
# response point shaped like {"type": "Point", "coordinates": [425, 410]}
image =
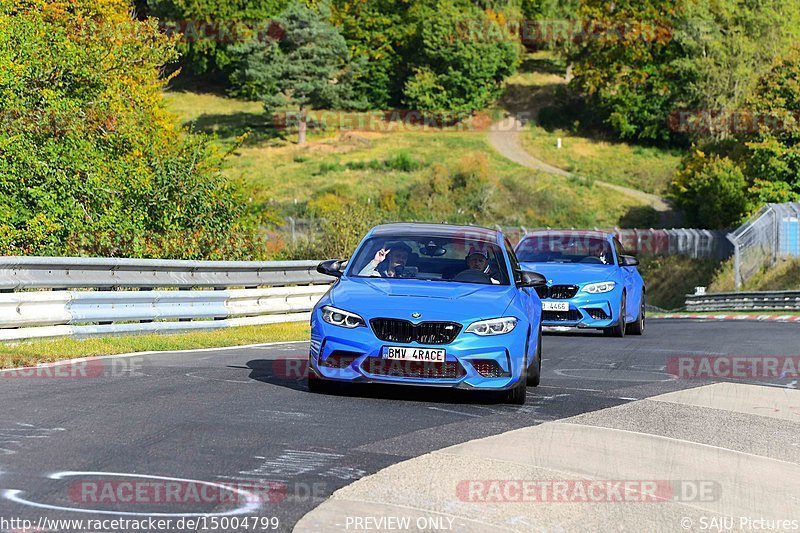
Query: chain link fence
{"type": "Point", "coordinates": [772, 233]}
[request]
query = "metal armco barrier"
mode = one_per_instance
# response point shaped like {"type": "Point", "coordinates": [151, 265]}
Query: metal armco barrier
{"type": "Point", "coordinates": [745, 301]}
{"type": "Point", "coordinates": [95, 297]}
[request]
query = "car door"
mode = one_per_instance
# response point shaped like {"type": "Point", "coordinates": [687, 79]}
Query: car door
{"type": "Point", "coordinates": [528, 297]}
{"type": "Point", "coordinates": [630, 280]}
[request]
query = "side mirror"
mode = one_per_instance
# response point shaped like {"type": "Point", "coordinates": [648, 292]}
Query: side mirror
{"type": "Point", "coordinates": [629, 261]}
{"type": "Point", "coordinates": [331, 267]}
{"type": "Point", "coordinates": [532, 279]}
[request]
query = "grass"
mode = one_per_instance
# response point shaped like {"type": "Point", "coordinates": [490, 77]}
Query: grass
{"type": "Point", "coordinates": [29, 353]}
{"type": "Point", "coordinates": [370, 163]}
{"type": "Point", "coordinates": [670, 278]}
{"type": "Point", "coordinates": [783, 276]}
{"type": "Point", "coordinates": [647, 169]}
{"type": "Point", "coordinates": [538, 84]}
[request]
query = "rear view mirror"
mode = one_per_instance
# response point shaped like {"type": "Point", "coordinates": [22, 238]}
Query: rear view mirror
{"type": "Point", "coordinates": [331, 267]}
{"type": "Point", "coordinates": [532, 279]}
{"type": "Point", "coordinates": [629, 261]}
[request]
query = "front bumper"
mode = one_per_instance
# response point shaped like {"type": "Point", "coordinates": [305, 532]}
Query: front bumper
{"type": "Point", "coordinates": [586, 310]}
{"type": "Point", "coordinates": [360, 351]}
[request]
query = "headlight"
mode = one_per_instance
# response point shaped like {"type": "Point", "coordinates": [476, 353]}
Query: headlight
{"type": "Point", "coordinates": [597, 288]}
{"type": "Point", "coordinates": [338, 317]}
{"type": "Point", "coordinates": [495, 326]}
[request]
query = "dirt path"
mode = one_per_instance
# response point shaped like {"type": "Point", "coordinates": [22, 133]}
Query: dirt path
{"type": "Point", "coordinates": [504, 136]}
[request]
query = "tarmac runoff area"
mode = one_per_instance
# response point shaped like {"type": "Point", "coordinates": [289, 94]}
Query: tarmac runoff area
{"type": "Point", "coordinates": [718, 457]}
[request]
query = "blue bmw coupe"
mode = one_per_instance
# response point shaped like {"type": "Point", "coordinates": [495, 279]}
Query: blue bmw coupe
{"type": "Point", "coordinates": [591, 281]}
{"type": "Point", "coordinates": [430, 305]}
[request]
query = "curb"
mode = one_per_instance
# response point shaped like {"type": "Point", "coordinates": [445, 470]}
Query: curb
{"type": "Point", "coordinates": [760, 318]}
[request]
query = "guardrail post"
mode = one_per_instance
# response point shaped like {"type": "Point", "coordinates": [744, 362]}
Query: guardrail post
{"type": "Point", "coordinates": [737, 265]}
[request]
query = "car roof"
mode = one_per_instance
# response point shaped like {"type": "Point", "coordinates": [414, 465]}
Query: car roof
{"type": "Point", "coordinates": [435, 230]}
{"type": "Point", "coordinates": [570, 232]}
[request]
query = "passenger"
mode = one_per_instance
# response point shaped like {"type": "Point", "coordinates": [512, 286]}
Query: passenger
{"type": "Point", "coordinates": [397, 254]}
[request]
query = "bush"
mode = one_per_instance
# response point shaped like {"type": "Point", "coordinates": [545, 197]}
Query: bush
{"type": "Point", "coordinates": [402, 162]}
{"type": "Point", "coordinates": [711, 190]}
{"type": "Point", "coordinates": [669, 278]}
{"type": "Point", "coordinates": [91, 163]}
{"type": "Point", "coordinates": [210, 27]}
{"type": "Point", "coordinates": [463, 58]}
{"type": "Point", "coordinates": [459, 195]}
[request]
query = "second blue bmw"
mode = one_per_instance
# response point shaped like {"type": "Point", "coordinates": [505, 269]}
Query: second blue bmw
{"type": "Point", "coordinates": [432, 305]}
{"type": "Point", "coordinates": [591, 281]}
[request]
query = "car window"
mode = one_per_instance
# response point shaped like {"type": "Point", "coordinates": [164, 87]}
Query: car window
{"type": "Point", "coordinates": [565, 248]}
{"type": "Point", "coordinates": [516, 268]}
{"type": "Point", "coordinates": [619, 249]}
{"type": "Point", "coordinates": [430, 258]}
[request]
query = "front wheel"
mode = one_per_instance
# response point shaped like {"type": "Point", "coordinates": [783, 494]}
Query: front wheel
{"type": "Point", "coordinates": [619, 329]}
{"type": "Point", "coordinates": [318, 385]}
{"type": "Point", "coordinates": [637, 328]}
{"type": "Point", "coordinates": [518, 394]}
{"type": "Point", "coordinates": [534, 372]}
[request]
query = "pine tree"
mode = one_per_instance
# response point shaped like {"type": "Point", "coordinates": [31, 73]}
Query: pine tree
{"type": "Point", "coordinates": [305, 67]}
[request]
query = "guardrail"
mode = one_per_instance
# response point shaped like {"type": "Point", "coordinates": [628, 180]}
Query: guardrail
{"type": "Point", "coordinates": [100, 296]}
{"type": "Point", "coordinates": [745, 301]}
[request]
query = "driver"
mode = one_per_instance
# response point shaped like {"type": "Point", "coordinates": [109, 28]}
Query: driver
{"type": "Point", "coordinates": [397, 254]}
{"type": "Point", "coordinates": [478, 259]}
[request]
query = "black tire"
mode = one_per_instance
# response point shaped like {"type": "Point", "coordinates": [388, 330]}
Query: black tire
{"type": "Point", "coordinates": [618, 330]}
{"type": "Point", "coordinates": [535, 370]}
{"type": "Point", "coordinates": [518, 393]}
{"type": "Point", "coordinates": [637, 328]}
{"type": "Point", "coordinates": [316, 384]}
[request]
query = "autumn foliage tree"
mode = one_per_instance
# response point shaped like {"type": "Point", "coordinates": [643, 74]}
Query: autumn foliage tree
{"type": "Point", "coordinates": [91, 162]}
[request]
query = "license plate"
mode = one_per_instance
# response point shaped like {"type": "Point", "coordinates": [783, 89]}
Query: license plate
{"type": "Point", "coordinates": [555, 306]}
{"type": "Point", "coordinates": [428, 355]}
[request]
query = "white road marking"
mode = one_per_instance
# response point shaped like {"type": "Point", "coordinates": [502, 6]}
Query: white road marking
{"type": "Point", "coordinates": [454, 412]}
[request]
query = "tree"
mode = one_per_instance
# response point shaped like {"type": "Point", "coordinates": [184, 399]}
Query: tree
{"type": "Point", "coordinates": [307, 68]}
{"type": "Point", "coordinates": [711, 190]}
{"type": "Point", "coordinates": [208, 28]}
{"type": "Point", "coordinates": [91, 162]}
{"type": "Point", "coordinates": [772, 137]}
{"type": "Point", "coordinates": [463, 57]}
{"type": "Point", "coordinates": [647, 59]}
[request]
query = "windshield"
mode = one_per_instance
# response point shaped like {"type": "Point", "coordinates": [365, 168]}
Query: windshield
{"type": "Point", "coordinates": [565, 248]}
{"type": "Point", "coordinates": [431, 258]}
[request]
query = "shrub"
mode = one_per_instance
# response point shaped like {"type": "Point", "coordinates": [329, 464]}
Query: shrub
{"type": "Point", "coordinates": [463, 58]}
{"type": "Point", "coordinates": [711, 190]}
{"type": "Point", "coordinates": [91, 163]}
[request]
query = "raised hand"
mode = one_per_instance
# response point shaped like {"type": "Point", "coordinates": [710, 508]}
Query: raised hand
{"type": "Point", "coordinates": [381, 254]}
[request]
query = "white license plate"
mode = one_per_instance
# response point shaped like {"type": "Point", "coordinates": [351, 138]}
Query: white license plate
{"type": "Point", "coordinates": [555, 306]}
{"type": "Point", "coordinates": [428, 355]}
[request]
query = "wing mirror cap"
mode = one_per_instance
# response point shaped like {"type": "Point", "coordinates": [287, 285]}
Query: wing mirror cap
{"type": "Point", "coordinates": [629, 261]}
{"type": "Point", "coordinates": [332, 267]}
{"type": "Point", "coordinates": [533, 279]}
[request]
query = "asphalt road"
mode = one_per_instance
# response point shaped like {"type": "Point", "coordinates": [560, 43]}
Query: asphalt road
{"type": "Point", "coordinates": [244, 417]}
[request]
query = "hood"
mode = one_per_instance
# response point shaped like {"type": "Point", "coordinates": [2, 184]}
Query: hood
{"type": "Point", "coordinates": [434, 300]}
{"type": "Point", "coordinates": [572, 273]}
